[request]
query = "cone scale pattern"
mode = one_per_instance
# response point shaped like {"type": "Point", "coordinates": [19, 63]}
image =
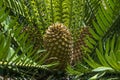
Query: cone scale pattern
{"type": "Point", "coordinates": [58, 43]}
{"type": "Point", "coordinates": [34, 36]}
{"type": "Point", "coordinates": [78, 51]}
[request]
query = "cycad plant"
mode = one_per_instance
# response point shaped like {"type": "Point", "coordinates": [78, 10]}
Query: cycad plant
{"type": "Point", "coordinates": [79, 38]}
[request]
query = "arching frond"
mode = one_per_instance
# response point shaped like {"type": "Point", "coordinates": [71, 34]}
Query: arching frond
{"type": "Point", "coordinates": [105, 25]}
{"type": "Point", "coordinates": [16, 53]}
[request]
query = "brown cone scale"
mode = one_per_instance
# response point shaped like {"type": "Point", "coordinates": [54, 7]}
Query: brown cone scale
{"type": "Point", "coordinates": [58, 43]}
{"type": "Point", "coordinates": [78, 51]}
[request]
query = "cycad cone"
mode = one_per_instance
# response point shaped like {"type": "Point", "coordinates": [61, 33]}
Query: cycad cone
{"type": "Point", "coordinates": [78, 51]}
{"type": "Point", "coordinates": [34, 36]}
{"type": "Point", "coordinates": [58, 43]}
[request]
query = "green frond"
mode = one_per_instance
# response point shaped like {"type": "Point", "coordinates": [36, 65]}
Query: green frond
{"type": "Point", "coordinates": [16, 51]}
{"type": "Point", "coordinates": [108, 58]}
{"type": "Point", "coordinates": [90, 9]}
{"type": "Point", "coordinates": [105, 23]}
{"type": "Point", "coordinates": [24, 22]}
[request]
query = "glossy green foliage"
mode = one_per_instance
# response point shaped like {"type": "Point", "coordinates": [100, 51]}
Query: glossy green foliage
{"type": "Point", "coordinates": [103, 17]}
{"type": "Point", "coordinates": [103, 51]}
{"type": "Point", "coordinates": [15, 51]}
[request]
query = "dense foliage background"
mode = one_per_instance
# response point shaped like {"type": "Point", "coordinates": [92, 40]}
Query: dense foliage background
{"type": "Point", "coordinates": [22, 27]}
